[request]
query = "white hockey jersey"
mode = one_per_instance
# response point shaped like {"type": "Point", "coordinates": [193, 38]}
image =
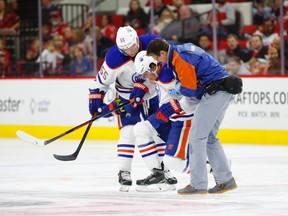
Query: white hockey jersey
{"type": "Point", "coordinates": [119, 69]}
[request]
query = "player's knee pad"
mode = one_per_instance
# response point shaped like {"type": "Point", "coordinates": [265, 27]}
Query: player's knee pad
{"type": "Point", "coordinates": [127, 135]}
{"type": "Point", "coordinates": [177, 164]}
{"type": "Point", "coordinates": [144, 129]}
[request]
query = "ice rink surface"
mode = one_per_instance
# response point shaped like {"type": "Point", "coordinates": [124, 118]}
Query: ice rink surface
{"type": "Point", "coordinates": [33, 183]}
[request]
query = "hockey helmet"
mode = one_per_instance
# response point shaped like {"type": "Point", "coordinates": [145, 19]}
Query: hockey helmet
{"type": "Point", "coordinates": [126, 37]}
{"type": "Point", "coordinates": [143, 63]}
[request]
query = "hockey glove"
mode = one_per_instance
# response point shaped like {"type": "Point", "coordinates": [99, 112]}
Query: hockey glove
{"type": "Point", "coordinates": [96, 101]}
{"type": "Point", "coordinates": [114, 104]}
{"type": "Point", "coordinates": [167, 109]}
{"type": "Point", "coordinates": [138, 92]}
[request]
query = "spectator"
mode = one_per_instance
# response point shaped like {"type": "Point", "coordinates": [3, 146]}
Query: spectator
{"type": "Point", "coordinates": [276, 43]}
{"type": "Point", "coordinates": [234, 50]}
{"type": "Point", "coordinates": [68, 47]}
{"type": "Point", "coordinates": [267, 32]}
{"type": "Point", "coordinates": [256, 67]}
{"type": "Point", "coordinates": [166, 17]}
{"type": "Point", "coordinates": [9, 20]}
{"type": "Point", "coordinates": [57, 25]}
{"type": "Point", "coordinates": [88, 24]}
{"type": "Point", "coordinates": [237, 67]}
{"type": "Point", "coordinates": [136, 16]}
{"type": "Point", "coordinates": [80, 65]}
{"type": "Point", "coordinates": [205, 44]}
{"type": "Point", "coordinates": [47, 8]}
{"type": "Point", "coordinates": [107, 28]}
{"type": "Point", "coordinates": [257, 49]}
{"type": "Point", "coordinates": [158, 8]}
{"type": "Point", "coordinates": [49, 59]}
{"type": "Point", "coordinates": [5, 64]}
{"type": "Point", "coordinates": [260, 13]}
{"type": "Point", "coordinates": [225, 19]}
{"type": "Point", "coordinates": [46, 36]}
{"type": "Point", "coordinates": [14, 6]}
{"type": "Point", "coordinates": [103, 44]}
{"type": "Point", "coordinates": [185, 29]}
{"type": "Point", "coordinates": [68, 38]}
{"type": "Point", "coordinates": [32, 54]}
{"type": "Point", "coordinates": [273, 64]}
{"type": "Point", "coordinates": [177, 4]}
{"type": "Point", "coordinates": [78, 36]}
{"type": "Point", "coordinates": [60, 48]}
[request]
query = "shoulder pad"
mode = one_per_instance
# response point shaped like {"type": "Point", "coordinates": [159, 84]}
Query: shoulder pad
{"type": "Point", "coordinates": [166, 75]}
{"type": "Point", "coordinates": [114, 58]}
{"type": "Point", "coordinates": [146, 39]}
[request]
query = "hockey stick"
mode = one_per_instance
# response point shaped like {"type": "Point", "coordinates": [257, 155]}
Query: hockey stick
{"type": "Point", "coordinates": [31, 139]}
{"type": "Point", "coordinates": [75, 154]}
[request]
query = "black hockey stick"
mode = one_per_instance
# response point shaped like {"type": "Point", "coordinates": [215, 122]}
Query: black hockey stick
{"type": "Point", "coordinates": [75, 154]}
{"type": "Point", "coordinates": [31, 139]}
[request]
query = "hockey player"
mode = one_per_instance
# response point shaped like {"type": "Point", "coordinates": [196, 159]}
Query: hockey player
{"type": "Point", "coordinates": [118, 69]}
{"type": "Point", "coordinates": [177, 143]}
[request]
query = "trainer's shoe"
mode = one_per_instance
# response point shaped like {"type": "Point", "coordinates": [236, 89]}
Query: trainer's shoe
{"type": "Point", "coordinates": [189, 190]}
{"type": "Point", "coordinates": [170, 179]}
{"type": "Point", "coordinates": [224, 187]}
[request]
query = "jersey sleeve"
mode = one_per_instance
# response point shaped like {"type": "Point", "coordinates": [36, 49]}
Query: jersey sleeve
{"type": "Point", "coordinates": [105, 77]}
{"type": "Point", "coordinates": [186, 73]}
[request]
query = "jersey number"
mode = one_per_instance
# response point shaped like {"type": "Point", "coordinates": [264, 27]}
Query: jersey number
{"type": "Point", "coordinates": [103, 73]}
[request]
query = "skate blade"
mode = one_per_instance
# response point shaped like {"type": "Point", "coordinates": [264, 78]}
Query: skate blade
{"type": "Point", "coordinates": [124, 188]}
{"type": "Point", "coordinates": [171, 187]}
{"type": "Point", "coordinates": [160, 187]}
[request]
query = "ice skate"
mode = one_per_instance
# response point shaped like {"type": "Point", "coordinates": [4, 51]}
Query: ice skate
{"type": "Point", "coordinates": [170, 180]}
{"type": "Point", "coordinates": [124, 180]}
{"type": "Point", "coordinates": [154, 182]}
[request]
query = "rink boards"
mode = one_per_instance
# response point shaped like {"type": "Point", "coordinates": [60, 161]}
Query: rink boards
{"type": "Point", "coordinates": [47, 107]}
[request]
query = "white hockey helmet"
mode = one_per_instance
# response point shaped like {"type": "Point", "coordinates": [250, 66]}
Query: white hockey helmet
{"type": "Point", "coordinates": [142, 63]}
{"type": "Point", "coordinates": [126, 37]}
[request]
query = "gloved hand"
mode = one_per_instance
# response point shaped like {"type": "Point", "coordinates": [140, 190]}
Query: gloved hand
{"type": "Point", "coordinates": [175, 92]}
{"type": "Point", "coordinates": [167, 109]}
{"type": "Point", "coordinates": [96, 100]}
{"type": "Point", "coordinates": [114, 104]}
{"type": "Point", "coordinates": [138, 92]}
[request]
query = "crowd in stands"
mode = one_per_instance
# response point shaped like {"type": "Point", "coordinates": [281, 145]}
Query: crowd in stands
{"type": "Point", "coordinates": [67, 50]}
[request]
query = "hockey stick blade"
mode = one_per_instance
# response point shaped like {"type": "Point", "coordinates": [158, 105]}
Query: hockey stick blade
{"type": "Point", "coordinates": [30, 139]}
{"type": "Point", "coordinates": [65, 157]}
{"type": "Point", "coordinates": [75, 154]}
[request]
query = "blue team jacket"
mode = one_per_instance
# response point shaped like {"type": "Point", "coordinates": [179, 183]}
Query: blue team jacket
{"type": "Point", "coordinates": [194, 68]}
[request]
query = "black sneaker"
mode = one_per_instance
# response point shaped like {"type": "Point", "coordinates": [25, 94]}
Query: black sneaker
{"type": "Point", "coordinates": [224, 187]}
{"type": "Point", "coordinates": [156, 177]}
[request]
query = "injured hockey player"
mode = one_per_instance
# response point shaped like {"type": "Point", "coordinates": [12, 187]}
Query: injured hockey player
{"type": "Point", "coordinates": [173, 110]}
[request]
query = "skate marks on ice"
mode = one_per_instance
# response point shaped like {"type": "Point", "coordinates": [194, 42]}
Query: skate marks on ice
{"type": "Point", "coordinates": [115, 203]}
{"type": "Point", "coordinates": [33, 183]}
